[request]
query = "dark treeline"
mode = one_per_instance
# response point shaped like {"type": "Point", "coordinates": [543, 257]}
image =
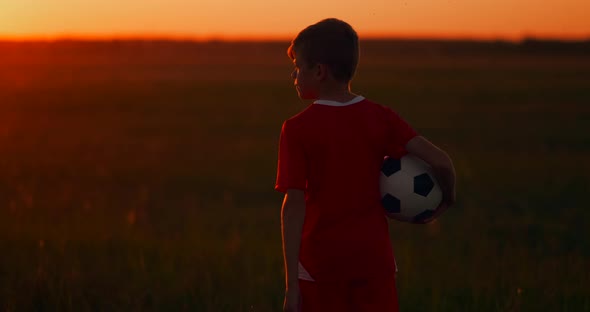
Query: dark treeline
{"type": "Point", "coordinates": [251, 52]}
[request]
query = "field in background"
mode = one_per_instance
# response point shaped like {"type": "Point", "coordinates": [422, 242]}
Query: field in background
{"type": "Point", "coordinates": [138, 176]}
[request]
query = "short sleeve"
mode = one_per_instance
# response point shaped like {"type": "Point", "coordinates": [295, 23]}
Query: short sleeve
{"type": "Point", "coordinates": [292, 164]}
{"type": "Point", "coordinates": [399, 133]}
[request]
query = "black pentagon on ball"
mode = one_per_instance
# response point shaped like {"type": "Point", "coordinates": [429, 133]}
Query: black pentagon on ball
{"type": "Point", "coordinates": [390, 166]}
{"type": "Point", "coordinates": [423, 184]}
{"type": "Point", "coordinates": [391, 203]}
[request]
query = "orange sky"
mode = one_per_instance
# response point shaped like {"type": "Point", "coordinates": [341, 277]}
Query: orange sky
{"type": "Point", "coordinates": [508, 19]}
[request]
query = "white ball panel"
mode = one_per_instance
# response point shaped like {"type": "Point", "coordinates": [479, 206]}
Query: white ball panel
{"type": "Point", "coordinates": [398, 186]}
{"type": "Point", "coordinates": [407, 206]}
{"type": "Point", "coordinates": [413, 165]}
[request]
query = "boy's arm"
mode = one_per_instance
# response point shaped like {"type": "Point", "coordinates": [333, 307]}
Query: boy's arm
{"type": "Point", "coordinates": [441, 164]}
{"type": "Point", "coordinates": [292, 216]}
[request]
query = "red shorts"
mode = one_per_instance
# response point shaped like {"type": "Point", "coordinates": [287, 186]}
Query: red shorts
{"type": "Point", "coordinates": [374, 295]}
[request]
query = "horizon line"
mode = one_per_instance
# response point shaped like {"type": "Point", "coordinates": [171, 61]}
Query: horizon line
{"type": "Point", "coordinates": [285, 38]}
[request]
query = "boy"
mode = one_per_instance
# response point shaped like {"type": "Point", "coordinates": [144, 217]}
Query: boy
{"type": "Point", "coordinates": [337, 252]}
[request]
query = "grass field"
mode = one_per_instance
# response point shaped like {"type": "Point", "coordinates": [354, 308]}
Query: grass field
{"type": "Point", "coordinates": [138, 176]}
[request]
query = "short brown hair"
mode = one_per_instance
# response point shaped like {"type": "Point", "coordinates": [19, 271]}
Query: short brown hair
{"type": "Point", "coordinates": [331, 42]}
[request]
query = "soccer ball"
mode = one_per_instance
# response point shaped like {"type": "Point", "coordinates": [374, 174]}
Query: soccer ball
{"type": "Point", "coordinates": [409, 191]}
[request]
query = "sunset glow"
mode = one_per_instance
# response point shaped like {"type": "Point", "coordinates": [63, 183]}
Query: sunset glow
{"type": "Point", "coordinates": [233, 19]}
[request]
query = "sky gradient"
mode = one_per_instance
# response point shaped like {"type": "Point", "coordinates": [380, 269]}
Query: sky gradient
{"type": "Point", "coordinates": [238, 19]}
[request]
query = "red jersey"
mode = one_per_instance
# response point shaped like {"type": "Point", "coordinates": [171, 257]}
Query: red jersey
{"type": "Point", "coordinates": [334, 152]}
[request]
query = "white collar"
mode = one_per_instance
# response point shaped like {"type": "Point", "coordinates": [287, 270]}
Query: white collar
{"type": "Point", "coordinates": [335, 103]}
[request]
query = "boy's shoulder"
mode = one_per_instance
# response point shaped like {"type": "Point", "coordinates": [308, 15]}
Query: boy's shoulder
{"type": "Point", "coordinates": [380, 109]}
{"type": "Point", "coordinates": [300, 118]}
{"type": "Point", "coordinates": [378, 106]}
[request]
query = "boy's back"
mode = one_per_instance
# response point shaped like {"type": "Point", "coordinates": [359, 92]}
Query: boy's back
{"type": "Point", "coordinates": [336, 246]}
{"type": "Point", "coordinates": [334, 152]}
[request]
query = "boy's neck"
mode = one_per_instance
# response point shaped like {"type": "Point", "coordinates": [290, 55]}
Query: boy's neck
{"type": "Point", "coordinates": [341, 94]}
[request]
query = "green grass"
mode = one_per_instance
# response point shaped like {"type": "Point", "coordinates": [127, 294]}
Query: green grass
{"type": "Point", "coordinates": [150, 188]}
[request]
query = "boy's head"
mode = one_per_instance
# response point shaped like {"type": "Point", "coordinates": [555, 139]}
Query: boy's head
{"type": "Point", "coordinates": [331, 46]}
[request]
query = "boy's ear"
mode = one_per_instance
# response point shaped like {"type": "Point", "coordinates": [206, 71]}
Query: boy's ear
{"type": "Point", "coordinates": [321, 71]}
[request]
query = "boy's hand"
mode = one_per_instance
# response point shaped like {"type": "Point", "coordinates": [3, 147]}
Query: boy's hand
{"type": "Point", "coordinates": [444, 205]}
{"type": "Point", "coordinates": [292, 300]}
